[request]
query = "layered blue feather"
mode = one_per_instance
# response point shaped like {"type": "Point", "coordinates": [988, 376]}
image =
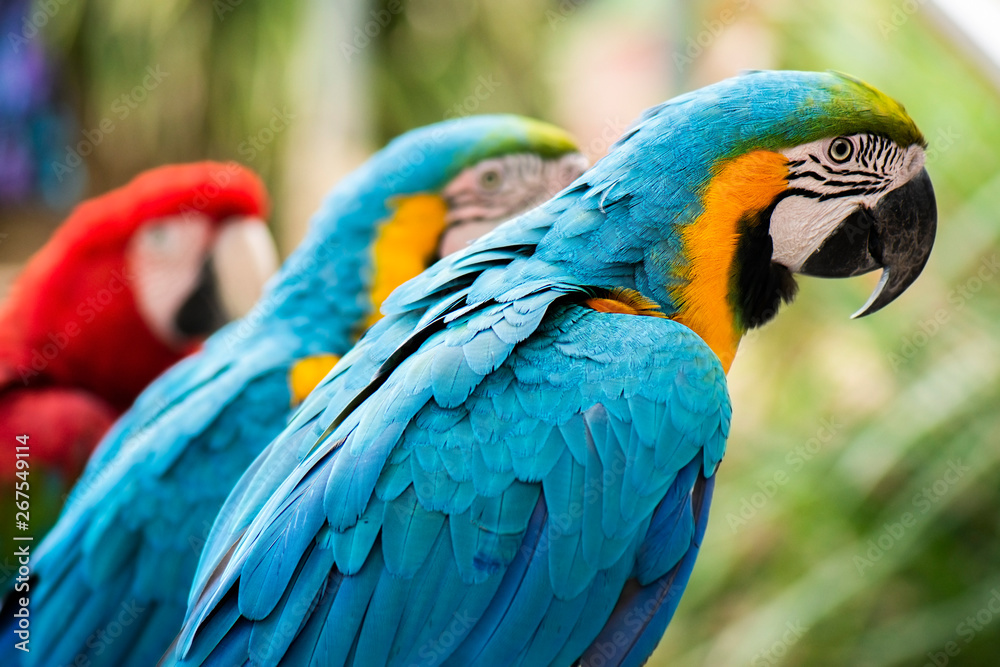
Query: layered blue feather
{"type": "Point", "coordinates": [393, 502]}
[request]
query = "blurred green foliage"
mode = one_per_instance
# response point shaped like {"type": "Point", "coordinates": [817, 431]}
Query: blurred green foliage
{"type": "Point", "coordinates": [451, 58]}
{"type": "Point", "coordinates": [221, 68]}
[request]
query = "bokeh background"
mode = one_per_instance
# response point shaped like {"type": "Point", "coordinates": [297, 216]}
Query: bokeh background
{"type": "Point", "coordinates": [856, 515]}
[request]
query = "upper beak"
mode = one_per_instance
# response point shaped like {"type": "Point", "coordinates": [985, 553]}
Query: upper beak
{"type": "Point", "coordinates": [232, 278]}
{"type": "Point", "coordinates": [896, 236]}
{"type": "Point", "coordinates": [245, 258]}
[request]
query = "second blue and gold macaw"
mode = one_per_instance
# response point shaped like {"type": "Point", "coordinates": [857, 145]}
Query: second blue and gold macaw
{"type": "Point", "coordinates": [515, 466]}
{"type": "Point", "coordinates": [124, 552]}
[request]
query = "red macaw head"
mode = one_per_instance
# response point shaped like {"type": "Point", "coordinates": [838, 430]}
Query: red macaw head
{"type": "Point", "coordinates": [135, 279]}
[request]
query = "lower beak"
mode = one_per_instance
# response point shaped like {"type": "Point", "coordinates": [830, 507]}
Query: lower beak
{"type": "Point", "coordinates": [896, 236]}
{"type": "Point", "coordinates": [232, 278]}
{"type": "Point", "coordinates": [201, 313]}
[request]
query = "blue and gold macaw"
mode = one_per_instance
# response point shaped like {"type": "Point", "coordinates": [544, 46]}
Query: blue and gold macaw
{"type": "Point", "coordinates": [129, 539]}
{"type": "Point", "coordinates": [514, 467]}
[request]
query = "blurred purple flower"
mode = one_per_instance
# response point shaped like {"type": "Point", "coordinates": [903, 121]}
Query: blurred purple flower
{"type": "Point", "coordinates": [35, 125]}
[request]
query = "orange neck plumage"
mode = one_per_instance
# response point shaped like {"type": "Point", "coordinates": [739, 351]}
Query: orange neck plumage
{"type": "Point", "coordinates": [405, 245]}
{"type": "Point", "coordinates": [740, 189]}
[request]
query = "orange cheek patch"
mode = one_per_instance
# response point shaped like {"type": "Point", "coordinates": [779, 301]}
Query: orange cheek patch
{"type": "Point", "coordinates": [405, 245]}
{"type": "Point", "coordinates": [742, 187]}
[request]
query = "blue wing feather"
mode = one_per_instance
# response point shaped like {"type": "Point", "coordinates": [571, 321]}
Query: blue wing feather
{"type": "Point", "coordinates": [532, 541]}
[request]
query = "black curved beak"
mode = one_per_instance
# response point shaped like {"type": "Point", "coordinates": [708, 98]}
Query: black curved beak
{"type": "Point", "coordinates": [896, 236]}
{"type": "Point", "coordinates": [202, 313]}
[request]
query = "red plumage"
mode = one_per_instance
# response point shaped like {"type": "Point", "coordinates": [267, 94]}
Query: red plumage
{"type": "Point", "coordinates": [74, 349]}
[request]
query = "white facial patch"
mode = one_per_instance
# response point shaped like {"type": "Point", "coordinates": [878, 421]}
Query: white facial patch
{"type": "Point", "coordinates": [165, 259]}
{"type": "Point", "coordinates": [497, 189]}
{"type": "Point", "coordinates": [829, 180]}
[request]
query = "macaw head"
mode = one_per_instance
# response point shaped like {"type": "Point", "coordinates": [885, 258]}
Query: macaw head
{"type": "Point", "coordinates": [138, 277]}
{"type": "Point", "coordinates": [429, 193]}
{"type": "Point", "coordinates": [763, 176]}
{"type": "Point", "coordinates": [198, 247]}
{"type": "Point", "coordinates": [458, 180]}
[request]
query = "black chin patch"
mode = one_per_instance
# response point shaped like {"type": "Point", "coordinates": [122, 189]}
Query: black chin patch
{"type": "Point", "coordinates": [759, 286]}
{"type": "Point", "coordinates": [202, 313]}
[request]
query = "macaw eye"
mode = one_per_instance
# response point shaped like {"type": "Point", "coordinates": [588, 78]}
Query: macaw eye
{"type": "Point", "coordinates": [841, 150]}
{"type": "Point", "coordinates": [490, 179]}
{"type": "Point", "coordinates": [158, 236]}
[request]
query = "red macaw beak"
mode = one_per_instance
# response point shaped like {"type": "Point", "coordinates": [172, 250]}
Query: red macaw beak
{"type": "Point", "coordinates": [232, 278]}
